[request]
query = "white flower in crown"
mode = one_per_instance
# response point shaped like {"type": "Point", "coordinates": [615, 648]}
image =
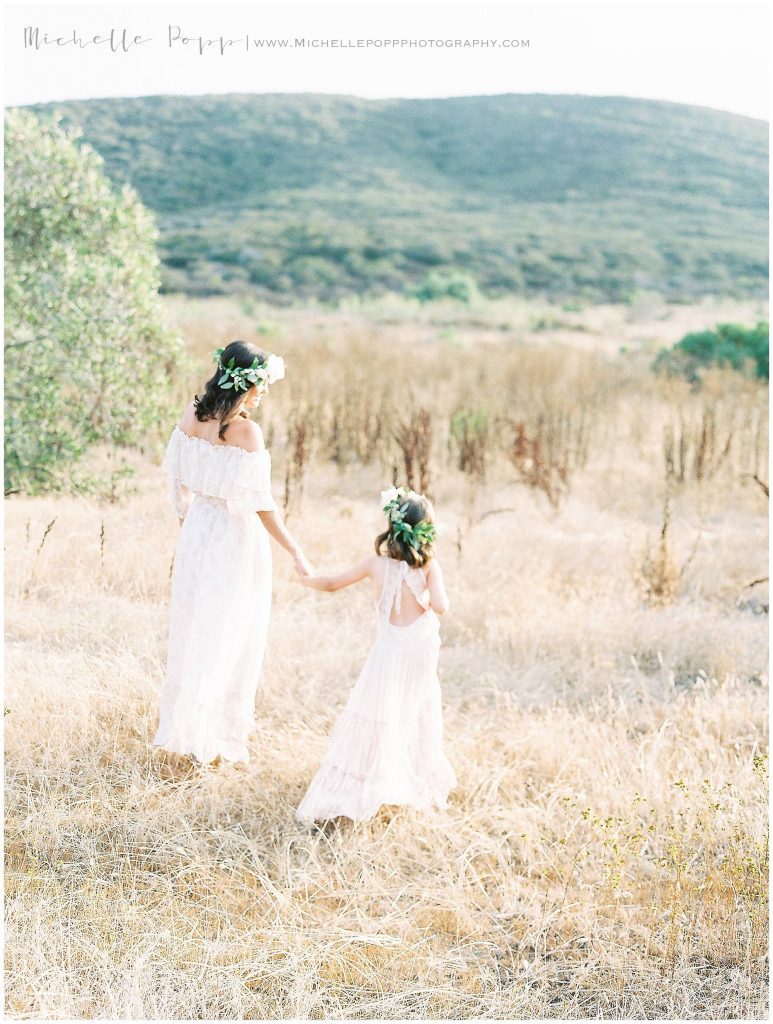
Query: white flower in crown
{"type": "Point", "coordinates": [389, 495]}
{"type": "Point", "coordinates": [275, 368]}
{"type": "Point", "coordinates": [242, 378]}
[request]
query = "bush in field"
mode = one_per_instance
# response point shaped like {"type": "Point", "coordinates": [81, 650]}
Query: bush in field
{"type": "Point", "coordinates": [446, 284]}
{"type": "Point", "coordinates": [728, 344]}
{"type": "Point", "coordinates": [87, 358]}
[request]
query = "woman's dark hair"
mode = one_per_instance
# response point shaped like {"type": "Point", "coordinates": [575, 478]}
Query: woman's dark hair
{"type": "Point", "coordinates": [220, 403]}
{"type": "Point", "coordinates": [397, 546]}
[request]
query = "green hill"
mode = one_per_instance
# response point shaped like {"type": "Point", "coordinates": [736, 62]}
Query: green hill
{"type": "Point", "coordinates": [293, 196]}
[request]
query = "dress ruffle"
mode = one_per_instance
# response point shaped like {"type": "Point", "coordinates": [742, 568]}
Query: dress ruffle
{"type": "Point", "coordinates": [205, 736]}
{"type": "Point", "coordinates": [369, 765]}
{"type": "Point", "coordinates": [240, 478]}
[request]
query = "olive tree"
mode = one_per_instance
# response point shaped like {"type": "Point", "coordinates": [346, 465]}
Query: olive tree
{"type": "Point", "coordinates": [87, 356]}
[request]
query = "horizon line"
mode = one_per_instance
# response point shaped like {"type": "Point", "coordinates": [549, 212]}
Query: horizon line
{"type": "Point", "coordinates": [387, 99]}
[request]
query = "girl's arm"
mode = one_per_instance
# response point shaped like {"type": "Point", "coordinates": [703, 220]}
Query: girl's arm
{"type": "Point", "coordinates": [274, 524]}
{"type": "Point", "coordinates": [438, 596]}
{"type": "Point", "coordinates": [343, 579]}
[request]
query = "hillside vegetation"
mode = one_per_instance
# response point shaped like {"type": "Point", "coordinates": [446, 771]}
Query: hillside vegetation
{"type": "Point", "coordinates": [292, 197]}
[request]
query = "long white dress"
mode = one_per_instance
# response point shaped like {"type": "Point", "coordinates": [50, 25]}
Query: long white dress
{"type": "Point", "coordinates": [387, 744]}
{"type": "Point", "coordinates": [221, 597]}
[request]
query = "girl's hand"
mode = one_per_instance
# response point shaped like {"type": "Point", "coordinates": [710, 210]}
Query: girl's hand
{"type": "Point", "coordinates": [328, 584]}
{"type": "Point", "coordinates": [302, 565]}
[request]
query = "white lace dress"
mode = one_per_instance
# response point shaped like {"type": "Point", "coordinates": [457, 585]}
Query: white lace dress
{"type": "Point", "coordinates": [220, 600]}
{"type": "Point", "coordinates": [387, 744]}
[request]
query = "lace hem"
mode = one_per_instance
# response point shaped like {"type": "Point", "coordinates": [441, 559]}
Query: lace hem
{"type": "Point", "coordinates": [204, 748]}
{"type": "Point", "coordinates": [372, 761]}
{"type": "Point", "coordinates": [337, 793]}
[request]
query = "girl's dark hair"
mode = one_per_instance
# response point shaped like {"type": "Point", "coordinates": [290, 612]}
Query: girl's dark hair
{"type": "Point", "coordinates": [396, 545]}
{"type": "Point", "coordinates": [220, 403]}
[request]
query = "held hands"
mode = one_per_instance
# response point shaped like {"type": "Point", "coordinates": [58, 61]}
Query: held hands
{"type": "Point", "coordinates": [302, 565]}
{"type": "Point", "coordinates": [305, 571]}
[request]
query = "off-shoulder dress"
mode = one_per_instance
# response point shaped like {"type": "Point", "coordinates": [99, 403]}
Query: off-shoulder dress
{"type": "Point", "coordinates": [220, 599]}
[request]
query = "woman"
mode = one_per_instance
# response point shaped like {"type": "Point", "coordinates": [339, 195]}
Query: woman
{"type": "Point", "coordinates": [220, 486]}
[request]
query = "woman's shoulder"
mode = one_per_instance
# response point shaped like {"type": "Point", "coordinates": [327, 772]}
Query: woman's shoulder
{"type": "Point", "coordinates": [246, 434]}
{"type": "Point", "coordinates": [241, 432]}
{"type": "Point", "coordinates": [188, 418]}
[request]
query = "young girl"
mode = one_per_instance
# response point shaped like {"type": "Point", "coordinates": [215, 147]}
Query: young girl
{"type": "Point", "coordinates": [387, 743]}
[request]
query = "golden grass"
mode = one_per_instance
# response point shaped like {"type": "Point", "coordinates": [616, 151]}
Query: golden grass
{"type": "Point", "coordinates": [605, 853]}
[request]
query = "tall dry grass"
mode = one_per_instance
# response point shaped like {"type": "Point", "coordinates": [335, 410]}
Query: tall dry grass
{"type": "Point", "coordinates": [605, 853]}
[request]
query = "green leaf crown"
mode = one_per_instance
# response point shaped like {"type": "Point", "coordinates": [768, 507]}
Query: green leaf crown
{"type": "Point", "coordinates": [395, 505]}
{"type": "Point", "coordinates": [241, 378]}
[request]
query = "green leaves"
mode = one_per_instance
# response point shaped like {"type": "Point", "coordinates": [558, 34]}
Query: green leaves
{"type": "Point", "coordinates": [395, 508]}
{"type": "Point", "coordinates": [88, 358]}
{"type": "Point", "coordinates": [261, 370]}
{"type": "Point", "coordinates": [416, 536]}
{"type": "Point", "coordinates": [424, 532]}
{"type": "Point", "coordinates": [728, 344]}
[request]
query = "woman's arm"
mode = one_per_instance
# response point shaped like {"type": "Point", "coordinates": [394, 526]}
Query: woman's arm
{"type": "Point", "coordinates": [438, 596]}
{"type": "Point", "coordinates": [343, 579]}
{"type": "Point", "coordinates": [275, 525]}
{"type": "Point", "coordinates": [250, 437]}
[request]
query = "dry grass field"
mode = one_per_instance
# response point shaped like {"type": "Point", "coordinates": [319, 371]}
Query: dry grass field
{"type": "Point", "coordinates": [604, 673]}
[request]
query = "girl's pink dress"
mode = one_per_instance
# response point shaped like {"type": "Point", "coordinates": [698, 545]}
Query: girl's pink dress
{"type": "Point", "coordinates": [387, 743]}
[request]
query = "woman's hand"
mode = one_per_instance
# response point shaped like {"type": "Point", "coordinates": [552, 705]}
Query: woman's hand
{"type": "Point", "coordinates": [302, 565]}
{"type": "Point", "coordinates": [275, 526]}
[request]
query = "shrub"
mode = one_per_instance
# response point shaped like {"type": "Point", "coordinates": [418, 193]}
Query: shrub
{"type": "Point", "coordinates": [729, 345]}
{"type": "Point", "coordinates": [446, 284]}
{"type": "Point", "coordinates": [87, 358]}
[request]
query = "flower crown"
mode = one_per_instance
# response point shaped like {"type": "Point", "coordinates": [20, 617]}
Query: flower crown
{"type": "Point", "coordinates": [241, 378]}
{"type": "Point", "coordinates": [395, 506]}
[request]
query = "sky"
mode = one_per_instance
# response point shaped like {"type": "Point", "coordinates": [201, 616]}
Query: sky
{"type": "Point", "coordinates": [709, 54]}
